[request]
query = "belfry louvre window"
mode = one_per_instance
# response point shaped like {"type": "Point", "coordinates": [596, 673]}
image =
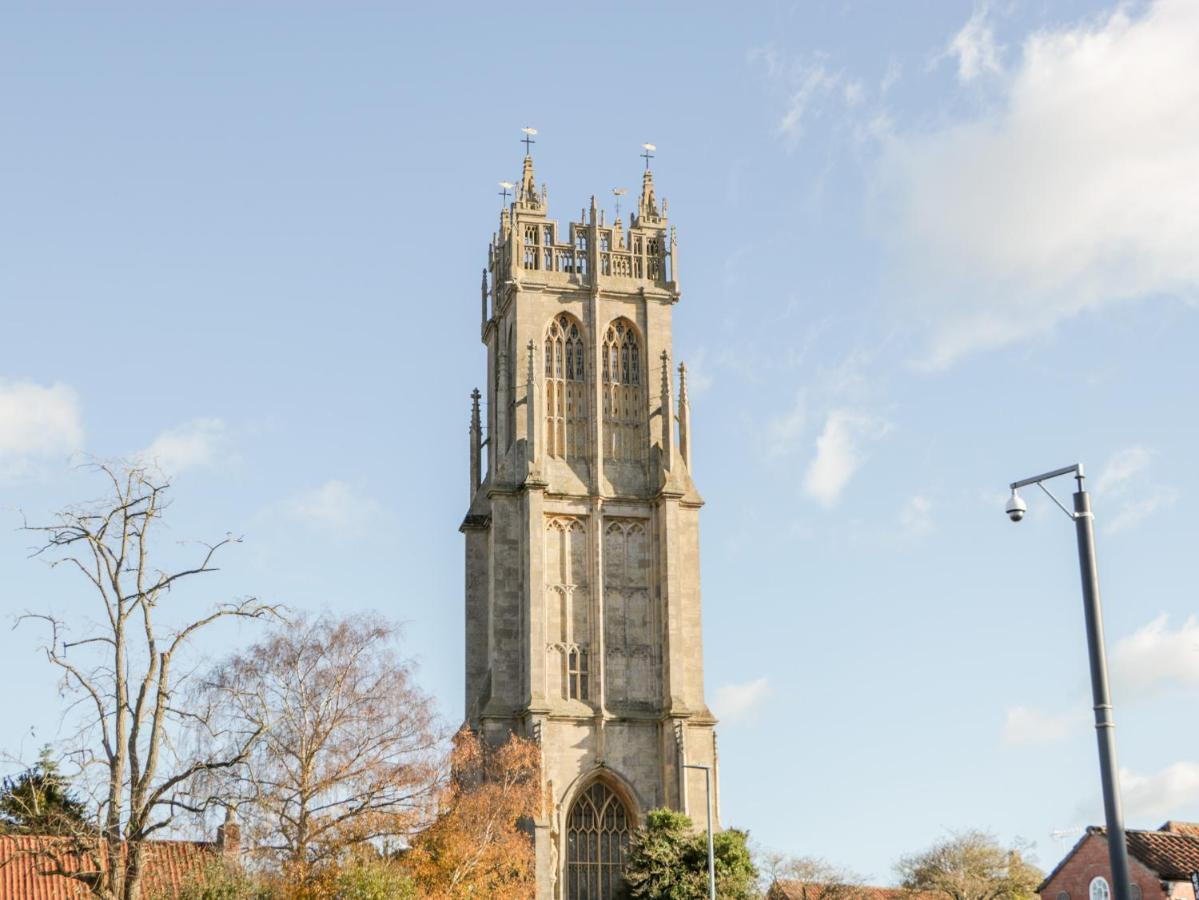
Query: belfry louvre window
{"type": "Point", "coordinates": [576, 672]}
{"type": "Point", "coordinates": [624, 400]}
{"type": "Point", "coordinates": [597, 842]}
{"type": "Point", "coordinates": [565, 390]}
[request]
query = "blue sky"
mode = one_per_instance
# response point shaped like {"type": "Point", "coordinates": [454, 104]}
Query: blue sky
{"type": "Point", "coordinates": [926, 249]}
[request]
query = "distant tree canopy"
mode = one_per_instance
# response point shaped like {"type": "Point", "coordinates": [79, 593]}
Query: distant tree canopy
{"type": "Point", "coordinates": [668, 860]}
{"type": "Point", "coordinates": [971, 865]}
{"type": "Point", "coordinates": [40, 801]}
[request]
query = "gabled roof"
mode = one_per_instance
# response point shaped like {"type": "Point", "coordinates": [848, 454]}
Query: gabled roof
{"type": "Point", "coordinates": [25, 861]}
{"type": "Point", "coordinates": [1172, 851]}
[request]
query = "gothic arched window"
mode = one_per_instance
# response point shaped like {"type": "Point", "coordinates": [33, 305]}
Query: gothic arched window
{"type": "Point", "coordinates": [624, 399]}
{"type": "Point", "coordinates": [597, 842]}
{"type": "Point", "coordinates": [565, 389]}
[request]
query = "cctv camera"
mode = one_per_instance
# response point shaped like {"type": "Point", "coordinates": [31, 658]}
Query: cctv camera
{"type": "Point", "coordinates": [1015, 508]}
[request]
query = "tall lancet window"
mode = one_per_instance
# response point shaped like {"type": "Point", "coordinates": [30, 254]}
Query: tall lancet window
{"type": "Point", "coordinates": [565, 389]}
{"type": "Point", "coordinates": [624, 397]}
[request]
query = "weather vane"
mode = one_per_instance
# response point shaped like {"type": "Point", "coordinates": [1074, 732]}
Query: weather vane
{"type": "Point", "coordinates": [619, 192]}
{"type": "Point", "coordinates": [507, 186]}
{"type": "Point", "coordinates": [527, 140]}
{"type": "Point", "coordinates": [648, 154]}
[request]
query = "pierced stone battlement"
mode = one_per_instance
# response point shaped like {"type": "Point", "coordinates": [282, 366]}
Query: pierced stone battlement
{"type": "Point", "coordinates": [530, 247]}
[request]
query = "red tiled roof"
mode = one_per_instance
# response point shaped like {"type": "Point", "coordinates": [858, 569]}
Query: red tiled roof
{"type": "Point", "coordinates": [806, 890]}
{"type": "Point", "coordinates": [25, 860]}
{"type": "Point", "coordinates": [1189, 828]}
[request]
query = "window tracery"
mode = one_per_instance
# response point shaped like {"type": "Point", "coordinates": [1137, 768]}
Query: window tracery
{"type": "Point", "coordinates": [597, 844]}
{"type": "Point", "coordinates": [567, 609]}
{"type": "Point", "coordinates": [624, 399]}
{"type": "Point", "coordinates": [565, 389]}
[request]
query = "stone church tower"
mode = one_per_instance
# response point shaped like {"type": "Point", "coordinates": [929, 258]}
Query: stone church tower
{"type": "Point", "coordinates": [582, 536]}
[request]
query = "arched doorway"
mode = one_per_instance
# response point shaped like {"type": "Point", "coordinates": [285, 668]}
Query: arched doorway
{"type": "Point", "coordinates": [597, 841]}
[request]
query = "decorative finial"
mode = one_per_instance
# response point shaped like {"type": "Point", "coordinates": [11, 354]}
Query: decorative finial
{"type": "Point", "coordinates": [619, 192]}
{"type": "Point", "coordinates": [528, 141]}
{"type": "Point", "coordinates": [649, 153]}
{"type": "Point", "coordinates": [507, 187]}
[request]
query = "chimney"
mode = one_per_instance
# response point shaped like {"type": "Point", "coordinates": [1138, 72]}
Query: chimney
{"type": "Point", "coordinates": [228, 836]}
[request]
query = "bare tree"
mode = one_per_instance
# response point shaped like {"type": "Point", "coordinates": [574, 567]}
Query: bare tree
{"type": "Point", "coordinates": [971, 865]}
{"type": "Point", "coordinates": [350, 749]}
{"type": "Point", "coordinates": [783, 875]}
{"type": "Point", "coordinates": [121, 665]}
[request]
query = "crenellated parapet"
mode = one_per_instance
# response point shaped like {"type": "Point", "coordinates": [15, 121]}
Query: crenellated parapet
{"type": "Point", "coordinates": [531, 248]}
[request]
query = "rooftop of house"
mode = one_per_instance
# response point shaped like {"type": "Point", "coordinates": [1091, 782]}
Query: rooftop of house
{"type": "Point", "coordinates": [1172, 851]}
{"type": "Point", "coordinates": [29, 866]}
{"type": "Point", "coordinates": [807, 890]}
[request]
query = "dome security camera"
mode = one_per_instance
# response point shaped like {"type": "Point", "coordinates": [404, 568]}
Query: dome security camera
{"type": "Point", "coordinates": [1016, 508]}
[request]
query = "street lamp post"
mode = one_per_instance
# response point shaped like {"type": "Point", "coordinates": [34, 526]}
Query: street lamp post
{"type": "Point", "coordinates": [1105, 726]}
{"type": "Point", "coordinates": [707, 770]}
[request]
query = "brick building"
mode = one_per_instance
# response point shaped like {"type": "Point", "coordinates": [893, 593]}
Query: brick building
{"type": "Point", "coordinates": [1160, 862]}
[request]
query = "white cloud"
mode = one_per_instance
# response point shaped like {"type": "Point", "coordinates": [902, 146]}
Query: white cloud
{"type": "Point", "coordinates": [741, 702]}
{"type": "Point", "coordinates": [839, 453]}
{"type": "Point", "coordinates": [974, 47]}
{"type": "Point", "coordinates": [1124, 488]}
{"type": "Point", "coordinates": [198, 443]}
{"type": "Point", "coordinates": [1162, 794]}
{"type": "Point", "coordinates": [35, 422]}
{"type": "Point", "coordinates": [1155, 658]}
{"type": "Point", "coordinates": [336, 506]}
{"type": "Point", "coordinates": [1026, 725]}
{"type": "Point", "coordinates": [916, 516]}
{"type": "Point", "coordinates": [1137, 509]}
{"type": "Point", "coordinates": [1121, 467]}
{"type": "Point", "coordinates": [1076, 190]}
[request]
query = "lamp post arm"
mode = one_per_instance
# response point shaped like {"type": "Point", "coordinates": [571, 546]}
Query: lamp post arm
{"type": "Point", "coordinates": [1076, 469]}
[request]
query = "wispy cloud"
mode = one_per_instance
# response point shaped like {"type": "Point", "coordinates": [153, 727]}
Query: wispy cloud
{"type": "Point", "coordinates": [915, 519]}
{"type": "Point", "coordinates": [741, 702]}
{"type": "Point", "coordinates": [974, 47]}
{"type": "Point", "coordinates": [195, 444]}
{"type": "Point", "coordinates": [1156, 658]}
{"type": "Point", "coordinates": [1009, 223]}
{"type": "Point", "coordinates": [840, 452]}
{"type": "Point", "coordinates": [36, 421]}
{"type": "Point", "coordinates": [1127, 489]}
{"type": "Point", "coordinates": [807, 83]}
{"type": "Point", "coordinates": [335, 506]}
{"type": "Point", "coordinates": [1029, 726]}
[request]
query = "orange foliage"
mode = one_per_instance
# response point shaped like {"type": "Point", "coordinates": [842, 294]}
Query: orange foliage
{"type": "Point", "coordinates": [478, 847]}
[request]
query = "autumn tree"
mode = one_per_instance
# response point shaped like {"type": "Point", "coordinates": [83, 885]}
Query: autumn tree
{"type": "Point", "coordinates": [121, 661]}
{"type": "Point", "coordinates": [349, 751]}
{"type": "Point", "coordinates": [971, 865]}
{"type": "Point", "coordinates": [668, 860]}
{"type": "Point", "coordinates": [40, 801]}
{"type": "Point", "coordinates": [477, 847]}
